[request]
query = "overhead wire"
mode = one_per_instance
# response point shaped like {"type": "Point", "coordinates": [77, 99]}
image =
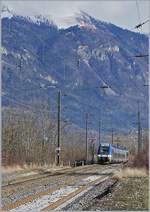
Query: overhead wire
{"type": "Point", "coordinates": [141, 24]}
{"type": "Point", "coordinates": [28, 106]}
{"type": "Point", "coordinates": [138, 11]}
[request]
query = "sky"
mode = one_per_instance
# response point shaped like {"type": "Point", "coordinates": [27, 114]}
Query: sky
{"type": "Point", "coordinates": [124, 13]}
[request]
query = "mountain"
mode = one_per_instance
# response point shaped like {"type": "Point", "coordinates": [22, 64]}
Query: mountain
{"type": "Point", "coordinates": [38, 58]}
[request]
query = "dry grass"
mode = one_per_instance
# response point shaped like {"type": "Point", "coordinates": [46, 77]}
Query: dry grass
{"type": "Point", "coordinates": [131, 172]}
{"type": "Point", "coordinates": [31, 167]}
{"type": "Point", "coordinates": [11, 169]}
{"type": "Point", "coordinates": [130, 194]}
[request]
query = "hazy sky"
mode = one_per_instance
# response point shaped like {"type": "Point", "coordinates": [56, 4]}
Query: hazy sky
{"type": "Point", "coordinates": [123, 13]}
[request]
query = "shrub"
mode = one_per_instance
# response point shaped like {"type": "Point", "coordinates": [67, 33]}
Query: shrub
{"type": "Point", "coordinates": [141, 159]}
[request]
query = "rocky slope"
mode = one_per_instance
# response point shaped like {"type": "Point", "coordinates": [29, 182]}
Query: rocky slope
{"type": "Point", "coordinates": [38, 59]}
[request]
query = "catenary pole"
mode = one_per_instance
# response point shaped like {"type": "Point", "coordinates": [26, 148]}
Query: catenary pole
{"type": "Point", "coordinates": [58, 150]}
{"type": "Point", "coordinates": [112, 136]}
{"type": "Point", "coordinates": [99, 130]}
{"type": "Point", "coordinates": [86, 129]}
{"type": "Point", "coordinates": [139, 129]}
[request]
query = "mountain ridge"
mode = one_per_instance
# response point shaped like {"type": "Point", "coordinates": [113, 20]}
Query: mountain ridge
{"type": "Point", "coordinates": [77, 57]}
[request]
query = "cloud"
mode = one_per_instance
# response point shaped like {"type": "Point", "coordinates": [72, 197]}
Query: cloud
{"type": "Point", "coordinates": [121, 13]}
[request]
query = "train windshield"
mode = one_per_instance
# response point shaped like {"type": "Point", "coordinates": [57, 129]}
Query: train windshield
{"type": "Point", "coordinates": [104, 150]}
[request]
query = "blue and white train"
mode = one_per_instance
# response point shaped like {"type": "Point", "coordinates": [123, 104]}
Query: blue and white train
{"type": "Point", "coordinates": [111, 153]}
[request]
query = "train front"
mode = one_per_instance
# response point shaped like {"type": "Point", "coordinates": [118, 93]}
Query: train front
{"type": "Point", "coordinates": [104, 153]}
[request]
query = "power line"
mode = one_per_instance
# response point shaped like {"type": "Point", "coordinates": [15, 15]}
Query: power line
{"type": "Point", "coordinates": [142, 55]}
{"type": "Point", "coordinates": [141, 24]}
{"type": "Point", "coordinates": [68, 94]}
{"type": "Point", "coordinates": [31, 89]}
{"type": "Point", "coordinates": [24, 104]}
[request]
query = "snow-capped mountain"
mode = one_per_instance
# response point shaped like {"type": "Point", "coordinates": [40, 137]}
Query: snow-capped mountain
{"type": "Point", "coordinates": [37, 19]}
{"type": "Point", "coordinates": [38, 58]}
{"type": "Point", "coordinates": [6, 13]}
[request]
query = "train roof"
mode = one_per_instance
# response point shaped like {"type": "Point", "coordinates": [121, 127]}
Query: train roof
{"type": "Point", "coordinates": [119, 147]}
{"type": "Point", "coordinates": [104, 144]}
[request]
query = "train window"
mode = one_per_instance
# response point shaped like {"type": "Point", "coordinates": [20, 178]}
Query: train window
{"type": "Point", "coordinates": [104, 150]}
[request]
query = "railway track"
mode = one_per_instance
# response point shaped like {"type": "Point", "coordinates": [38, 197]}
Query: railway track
{"type": "Point", "coordinates": [80, 180]}
{"type": "Point", "coordinates": [27, 184]}
{"type": "Point", "coordinates": [43, 175]}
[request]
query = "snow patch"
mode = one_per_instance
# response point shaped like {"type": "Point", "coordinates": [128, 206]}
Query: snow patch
{"type": "Point", "coordinates": [119, 61]}
{"type": "Point", "coordinates": [100, 53]}
{"type": "Point", "coordinates": [84, 52]}
{"type": "Point", "coordinates": [87, 26]}
{"type": "Point", "coordinates": [86, 62]}
{"type": "Point", "coordinates": [110, 92]}
{"type": "Point", "coordinates": [112, 48]}
{"type": "Point", "coordinates": [69, 33]}
{"type": "Point", "coordinates": [42, 85]}
{"type": "Point", "coordinates": [6, 13]}
{"type": "Point", "coordinates": [4, 51]}
{"type": "Point", "coordinates": [134, 63]}
{"type": "Point", "coordinates": [39, 19]}
{"type": "Point", "coordinates": [76, 84]}
{"type": "Point", "coordinates": [129, 67]}
{"type": "Point", "coordinates": [27, 54]}
{"type": "Point", "coordinates": [49, 79]}
{"type": "Point", "coordinates": [28, 80]}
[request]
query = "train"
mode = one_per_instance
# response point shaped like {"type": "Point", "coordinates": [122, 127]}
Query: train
{"type": "Point", "coordinates": [108, 153]}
